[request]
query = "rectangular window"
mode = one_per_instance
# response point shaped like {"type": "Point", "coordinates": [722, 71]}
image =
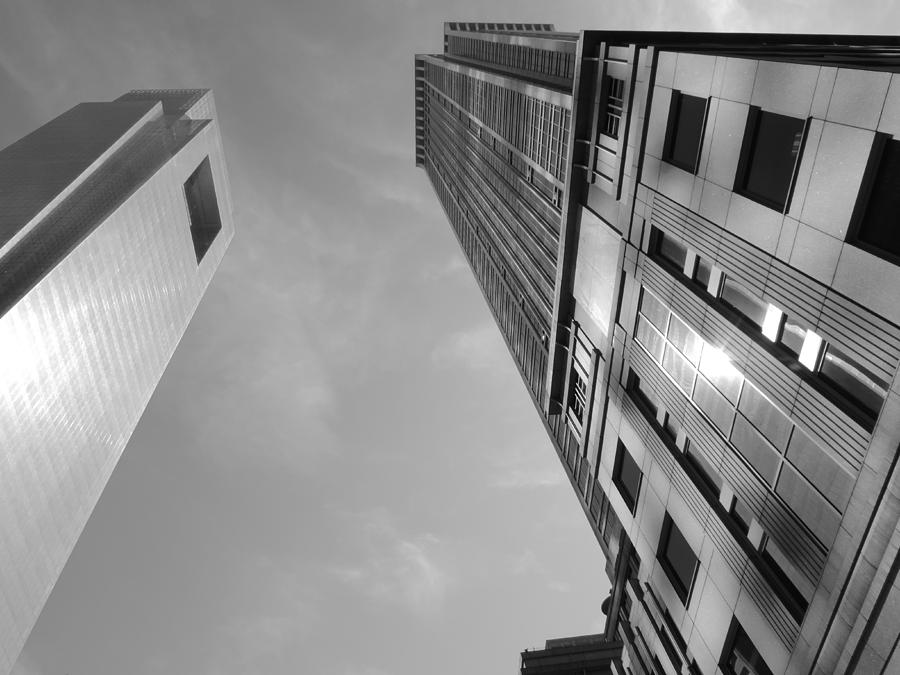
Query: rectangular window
{"type": "Point", "coordinates": [717, 368]}
{"type": "Point", "coordinates": [740, 656]}
{"type": "Point", "coordinates": [789, 580]}
{"type": "Point", "coordinates": [768, 160]}
{"type": "Point", "coordinates": [646, 396]}
{"type": "Point", "coordinates": [843, 372]}
{"type": "Point", "coordinates": [755, 449]}
{"type": "Point", "coordinates": [820, 469]}
{"type": "Point", "coordinates": [703, 273]}
{"type": "Point", "coordinates": [716, 406]}
{"type": "Point", "coordinates": [615, 105]}
{"type": "Point", "coordinates": [577, 395]}
{"type": "Point", "coordinates": [687, 341]}
{"type": "Point", "coordinates": [704, 471]}
{"type": "Point", "coordinates": [684, 132]}
{"type": "Point", "coordinates": [671, 249]}
{"type": "Point", "coordinates": [879, 201]}
{"type": "Point", "coordinates": [808, 504]}
{"type": "Point", "coordinates": [774, 424]}
{"type": "Point", "coordinates": [679, 368]}
{"type": "Point", "coordinates": [627, 477]}
{"type": "Point", "coordinates": [677, 559]}
{"type": "Point", "coordinates": [652, 341]}
{"type": "Point", "coordinates": [203, 208]}
{"type": "Point", "coordinates": [744, 302]}
{"type": "Point", "coordinates": [792, 336]}
{"type": "Point", "coordinates": [654, 310]}
{"type": "Point", "coordinates": [741, 515]}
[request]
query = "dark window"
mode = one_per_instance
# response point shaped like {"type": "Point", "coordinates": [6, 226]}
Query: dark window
{"type": "Point", "coordinates": [672, 250]}
{"type": "Point", "coordinates": [577, 395]}
{"type": "Point", "coordinates": [741, 300]}
{"type": "Point", "coordinates": [627, 477]}
{"type": "Point", "coordinates": [677, 559]}
{"type": "Point", "coordinates": [703, 470]}
{"type": "Point", "coordinates": [646, 396]}
{"type": "Point", "coordinates": [671, 427]}
{"type": "Point", "coordinates": [843, 372]}
{"type": "Point", "coordinates": [741, 515]}
{"type": "Point", "coordinates": [768, 158]}
{"type": "Point", "coordinates": [615, 104]}
{"type": "Point", "coordinates": [203, 209]}
{"type": "Point", "coordinates": [782, 568]}
{"type": "Point", "coordinates": [684, 133]}
{"type": "Point", "coordinates": [704, 271]}
{"type": "Point", "coordinates": [879, 201]}
{"type": "Point", "coordinates": [740, 656]}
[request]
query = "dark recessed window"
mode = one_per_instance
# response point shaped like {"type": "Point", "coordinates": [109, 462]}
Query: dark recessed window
{"type": "Point", "coordinates": [672, 250]}
{"type": "Point", "coordinates": [743, 301]}
{"type": "Point", "coordinates": [879, 201]}
{"type": "Point", "coordinates": [740, 656]}
{"type": "Point", "coordinates": [772, 144]}
{"type": "Point", "coordinates": [677, 559]}
{"type": "Point", "coordinates": [627, 477]}
{"type": "Point", "coordinates": [703, 471]}
{"type": "Point", "coordinates": [615, 105]}
{"type": "Point", "coordinates": [684, 132]}
{"type": "Point", "coordinates": [741, 515]}
{"type": "Point", "coordinates": [203, 209]}
{"type": "Point", "coordinates": [843, 372]}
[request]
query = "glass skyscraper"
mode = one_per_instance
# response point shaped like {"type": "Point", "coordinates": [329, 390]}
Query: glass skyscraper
{"type": "Point", "coordinates": [113, 218]}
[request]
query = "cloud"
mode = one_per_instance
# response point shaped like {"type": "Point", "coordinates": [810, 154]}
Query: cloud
{"type": "Point", "coordinates": [518, 468]}
{"type": "Point", "coordinates": [395, 568]}
{"type": "Point", "coordinates": [477, 348]}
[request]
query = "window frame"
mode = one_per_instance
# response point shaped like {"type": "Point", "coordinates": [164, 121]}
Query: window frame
{"type": "Point", "coordinates": [683, 593]}
{"type": "Point", "coordinates": [749, 147]}
{"type": "Point", "coordinates": [672, 128]}
{"type": "Point", "coordinates": [863, 199]}
{"type": "Point", "coordinates": [630, 500]}
{"type": "Point", "coordinates": [735, 631]}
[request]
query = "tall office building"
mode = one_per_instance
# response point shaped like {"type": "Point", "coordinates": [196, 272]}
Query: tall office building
{"type": "Point", "coordinates": [690, 243]}
{"type": "Point", "coordinates": [113, 219]}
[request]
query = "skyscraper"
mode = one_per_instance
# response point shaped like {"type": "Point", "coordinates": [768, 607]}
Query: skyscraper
{"type": "Point", "coordinates": [690, 245]}
{"type": "Point", "coordinates": [113, 218]}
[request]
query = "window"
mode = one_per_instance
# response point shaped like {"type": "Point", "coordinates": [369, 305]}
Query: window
{"type": "Point", "coordinates": [627, 477]}
{"type": "Point", "coordinates": [841, 371]}
{"type": "Point", "coordinates": [741, 515]}
{"type": "Point", "coordinates": [684, 132]}
{"type": "Point", "coordinates": [741, 300]}
{"type": "Point", "coordinates": [654, 310]}
{"type": "Point", "coordinates": [740, 656]}
{"type": "Point", "coordinates": [677, 559]}
{"type": "Point", "coordinates": [687, 341]}
{"type": "Point", "coordinates": [772, 144]}
{"type": "Point", "coordinates": [811, 507]}
{"type": "Point", "coordinates": [879, 202]}
{"type": "Point", "coordinates": [577, 396]}
{"type": "Point", "coordinates": [716, 406]}
{"type": "Point", "coordinates": [774, 424]}
{"type": "Point", "coordinates": [820, 469]}
{"type": "Point", "coordinates": [651, 340]}
{"type": "Point", "coordinates": [704, 471]}
{"type": "Point", "coordinates": [679, 368]}
{"type": "Point", "coordinates": [672, 250]}
{"type": "Point", "coordinates": [615, 105]}
{"type": "Point", "coordinates": [718, 369]}
{"type": "Point", "coordinates": [203, 209]}
{"type": "Point", "coordinates": [786, 574]}
{"type": "Point", "coordinates": [755, 449]}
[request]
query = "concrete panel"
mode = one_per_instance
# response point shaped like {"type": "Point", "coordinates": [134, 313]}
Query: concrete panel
{"type": "Point", "coordinates": [718, 76]}
{"type": "Point", "coordinates": [676, 183]}
{"type": "Point", "coordinates": [761, 633]}
{"type": "Point", "coordinates": [837, 174]}
{"type": "Point", "coordinates": [869, 280]}
{"type": "Point", "coordinates": [858, 97]}
{"type": "Point", "coordinates": [822, 96]}
{"type": "Point", "coordinates": [694, 74]}
{"type": "Point", "coordinates": [650, 171]}
{"type": "Point", "coordinates": [659, 116]}
{"type": "Point", "coordinates": [805, 171]}
{"type": "Point", "coordinates": [714, 202]}
{"type": "Point", "coordinates": [815, 253]}
{"type": "Point", "coordinates": [785, 88]}
{"type": "Point", "coordinates": [665, 69]}
{"type": "Point", "coordinates": [789, 228]}
{"type": "Point", "coordinates": [728, 135]}
{"type": "Point", "coordinates": [754, 223]}
{"type": "Point", "coordinates": [890, 114]}
{"type": "Point", "coordinates": [713, 617]}
{"type": "Point", "coordinates": [740, 74]}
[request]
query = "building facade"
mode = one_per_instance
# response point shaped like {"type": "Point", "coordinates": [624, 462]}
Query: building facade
{"type": "Point", "coordinates": [113, 218]}
{"type": "Point", "coordinates": [690, 245]}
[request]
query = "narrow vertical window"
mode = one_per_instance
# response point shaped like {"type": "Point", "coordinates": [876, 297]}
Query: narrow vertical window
{"type": "Point", "coordinates": [203, 208]}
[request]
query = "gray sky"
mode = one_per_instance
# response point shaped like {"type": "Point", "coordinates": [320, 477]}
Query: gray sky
{"type": "Point", "coordinates": [341, 472]}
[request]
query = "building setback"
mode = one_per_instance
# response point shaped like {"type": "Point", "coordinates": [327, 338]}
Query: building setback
{"type": "Point", "coordinates": [113, 218]}
{"type": "Point", "coordinates": [690, 244]}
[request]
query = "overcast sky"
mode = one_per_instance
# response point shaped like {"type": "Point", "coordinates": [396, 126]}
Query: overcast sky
{"type": "Point", "coordinates": [341, 472]}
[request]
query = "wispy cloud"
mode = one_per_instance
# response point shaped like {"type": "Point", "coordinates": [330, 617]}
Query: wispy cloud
{"type": "Point", "coordinates": [477, 348]}
{"type": "Point", "coordinates": [397, 568]}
